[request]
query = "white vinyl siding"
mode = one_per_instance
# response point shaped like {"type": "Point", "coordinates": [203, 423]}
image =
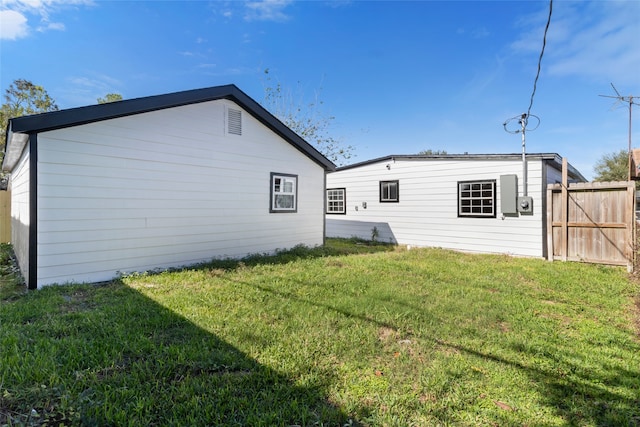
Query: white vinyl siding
{"type": "Point", "coordinates": [428, 212]}
{"type": "Point", "coordinates": [20, 211]}
{"type": "Point", "coordinates": [166, 188]}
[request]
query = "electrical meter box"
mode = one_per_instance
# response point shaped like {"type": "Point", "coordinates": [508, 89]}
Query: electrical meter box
{"type": "Point", "coordinates": [508, 194]}
{"type": "Point", "coordinates": [525, 204]}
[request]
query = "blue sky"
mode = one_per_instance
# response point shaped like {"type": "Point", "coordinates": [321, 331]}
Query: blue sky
{"type": "Point", "coordinates": [399, 77]}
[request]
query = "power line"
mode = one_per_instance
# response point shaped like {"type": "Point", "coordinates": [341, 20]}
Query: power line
{"type": "Point", "coordinates": [544, 43]}
{"type": "Point", "coordinates": [523, 119]}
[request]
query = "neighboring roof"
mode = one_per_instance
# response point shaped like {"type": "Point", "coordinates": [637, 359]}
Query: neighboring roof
{"type": "Point", "coordinates": [550, 157]}
{"type": "Point", "coordinates": [19, 128]}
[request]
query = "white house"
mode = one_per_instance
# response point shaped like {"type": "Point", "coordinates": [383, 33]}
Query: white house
{"type": "Point", "coordinates": [469, 202]}
{"type": "Point", "coordinates": [156, 182]}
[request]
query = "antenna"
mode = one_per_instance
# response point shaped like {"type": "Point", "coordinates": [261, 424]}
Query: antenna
{"type": "Point", "coordinates": [626, 99]}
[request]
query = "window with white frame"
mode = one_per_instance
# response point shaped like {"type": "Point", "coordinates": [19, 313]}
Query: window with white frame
{"type": "Point", "coordinates": [477, 198]}
{"type": "Point", "coordinates": [389, 191]}
{"type": "Point", "coordinates": [336, 201]}
{"type": "Point", "coordinates": [284, 192]}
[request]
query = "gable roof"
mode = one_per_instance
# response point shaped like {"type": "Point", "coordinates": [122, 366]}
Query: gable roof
{"type": "Point", "coordinates": [19, 128]}
{"type": "Point", "coordinates": [552, 158]}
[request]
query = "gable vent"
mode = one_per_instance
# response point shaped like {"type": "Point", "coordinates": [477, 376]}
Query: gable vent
{"type": "Point", "coordinates": [234, 121]}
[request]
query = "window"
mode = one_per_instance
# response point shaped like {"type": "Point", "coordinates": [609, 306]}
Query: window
{"type": "Point", "coordinates": [477, 198]}
{"type": "Point", "coordinates": [284, 190]}
{"type": "Point", "coordinates": [389, 191]}
{"type": "Point", "coordinates": [336, 203]}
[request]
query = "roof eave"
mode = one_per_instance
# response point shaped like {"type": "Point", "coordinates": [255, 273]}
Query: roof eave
{"type": "Point", "coordinates": [82, 115]}
{"type": "Point", "coordinates": [417, 157]}
{"type": "Point", "coordinates": [14, 146]}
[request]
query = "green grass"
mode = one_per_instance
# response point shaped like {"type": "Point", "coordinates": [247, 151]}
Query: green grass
{"type": "Point", "coordinates": [348, 334]}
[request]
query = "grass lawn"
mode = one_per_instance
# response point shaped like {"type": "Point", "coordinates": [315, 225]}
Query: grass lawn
{"type": "Point", "coordinates": [348, 334]}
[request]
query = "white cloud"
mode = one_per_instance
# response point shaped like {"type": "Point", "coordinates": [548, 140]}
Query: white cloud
{"type": "Point", "coordinates": [97, 81]}
{"type": "Point", "coordinates": [267, 10]}
{"type": "Point", "coordinates": [57, 26]}
{"type": "Point", "coordinates": [16, 14]}
{"type": "Point", "coordinates": [595, 41]}
{"type": "Point", "coordinates": [480, 33]}
{"type": "Point", "coordinates": [85, 90]}
{"type": "Point", "coordinates": [13, 25]}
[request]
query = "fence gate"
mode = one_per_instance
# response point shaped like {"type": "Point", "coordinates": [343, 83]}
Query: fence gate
{"type": "Point", "coordinates": [591, 222]}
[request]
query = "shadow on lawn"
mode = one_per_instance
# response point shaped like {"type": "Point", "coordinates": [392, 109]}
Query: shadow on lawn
{"type": "Point", "coordinates": [333, 247]}
{"type": "Point", "coordinates": [108, 355]}
{"type": "Point", "coordinates": [578, 396]}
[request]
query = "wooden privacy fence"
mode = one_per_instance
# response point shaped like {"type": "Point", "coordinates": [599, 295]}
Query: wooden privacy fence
{"type": "Point", "coordinates": [591, 222]}
{"type": "Point", "coordinates": [5, 216]}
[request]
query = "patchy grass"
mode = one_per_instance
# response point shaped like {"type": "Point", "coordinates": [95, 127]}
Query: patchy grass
{"type": "Point", "coordinates": [11, 282]}
{"type": "Point", "coordinates": [352, 333]}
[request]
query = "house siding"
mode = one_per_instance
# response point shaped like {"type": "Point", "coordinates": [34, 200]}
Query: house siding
{"type": "Point", "coordinates": [20, 211]}
{"type": "Point", "coordinates": [166, 188]}
{"type": "Point", "coordinates": [427, 213]}
{"type": "Point", "coordinates": [554, 176]}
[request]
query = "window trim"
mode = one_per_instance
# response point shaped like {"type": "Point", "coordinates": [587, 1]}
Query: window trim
{"type": "Point", "coordinates": [344, 201]}
{"type": "Point", "coordinates": [397, 199]}
{"type": "Point", "coordinates": [272, 198]}
{"type": "Point", "coordinates": [493, 199]}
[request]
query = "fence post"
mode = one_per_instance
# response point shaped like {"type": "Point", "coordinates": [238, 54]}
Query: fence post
{"type": "Point", "coordinates": [565, 209]}
{"type": "Point", "coordinates": [631, 225]}
{"type": "Point", "coordinates": [549, 223]}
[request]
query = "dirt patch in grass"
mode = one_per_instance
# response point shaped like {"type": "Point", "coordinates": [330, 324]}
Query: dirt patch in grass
{"type": "Point", "coordinates": [504, 327]}
{"type": "Point", "coordinates": [386, 334]}
{"type": "Point", "coordinates": [78, 300]}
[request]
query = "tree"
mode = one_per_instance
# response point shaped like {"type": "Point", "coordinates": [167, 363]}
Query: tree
{"type": "Point", "coordinates": [431, 152]}
{"type": "Point", "coordinates": [612, 167]}
{"type": "Point", "coordinates": [20, 99]}
{"type": "Point", "coordinates": [23, 98]}
{"type": "Point", "coordinates": [110, 97]}
{"type": "Point", "coordinates": [305, 120]}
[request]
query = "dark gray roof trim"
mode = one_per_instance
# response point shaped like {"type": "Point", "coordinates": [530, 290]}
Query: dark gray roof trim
{"type": "Point", "coordinates": [93, 113]}
{"type": "Point", "coordinates": [550, 157]}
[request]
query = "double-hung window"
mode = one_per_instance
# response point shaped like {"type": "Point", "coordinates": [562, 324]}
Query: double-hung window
{"type": "Point", "coordinates": [336, 201]}
{"type": "Point", "coordinates": [389, 191]}
{"type": "Point", "coordinates": [477, 198]}
{"type": "Point", "coordinates": [284, 192]}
